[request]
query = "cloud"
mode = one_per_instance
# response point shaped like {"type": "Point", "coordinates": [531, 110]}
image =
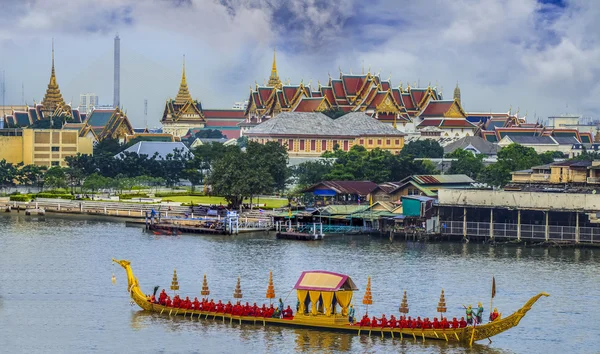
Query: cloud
{"type": "Point", "coordinates": [527, 53]}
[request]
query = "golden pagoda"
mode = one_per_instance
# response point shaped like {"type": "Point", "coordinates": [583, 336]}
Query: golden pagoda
{"type": "Point", "coordinates": [205, 291]}
{"type": "Point", "coordinates": [53, 99]}
{"type": "Point", "coordinates": [270, 288]}
{"type": "Point", "coordinates": [174, 282]}
{"type": "Point", "coordinates": [274, 78]}
{"type": "Point", "coordinates": [183, 96]}
{"type": "Point", "coordinates": [404, 305]}
{"type": "Point", "coordinates": [442, 304]}
{"type": "Point", "coordinates": [237, 293]}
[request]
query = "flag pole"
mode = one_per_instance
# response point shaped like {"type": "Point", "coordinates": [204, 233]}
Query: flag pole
{"type": "Point", "coordinates": [493, 294]}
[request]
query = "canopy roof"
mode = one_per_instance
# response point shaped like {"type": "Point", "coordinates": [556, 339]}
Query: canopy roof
{"type": "Point", "coordinates": [324, 281]}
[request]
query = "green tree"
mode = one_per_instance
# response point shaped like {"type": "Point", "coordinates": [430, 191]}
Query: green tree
{"type": "Point", "coordinates": [8, 174]}
{"type": "Point", "coordinates": [311, 172]}
{"type": "Point", "coordinates": [108, 146]}
{"type": "Point", "coordinates": [273, 158]}
{"type": "Point", "coordinates": [427, 148]}
{"type": "Point", "coordinates": [466, 163]}
{"type": "Point", "coordinates": [95, 181]}
{"type": "Point", "coordinates": [229, 177]}
{"type": "Point", "coordinates": [242, 141]}
{"type": "Point", "coordinates": [209, 133]}
{"type": "Point", "coordinates": [513, 157]}
{"type": "Point", "coordinates": [32, 175]}
{"type": "Point", "coordinates": [55, 177]}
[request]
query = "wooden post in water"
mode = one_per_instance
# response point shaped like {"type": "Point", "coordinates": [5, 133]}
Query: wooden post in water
{"type": "Point", "coordinates": [491, 223]}
{"type": "Point", "coordinates": [465, 222]}
{"type": "Point", "coordinates": [547, 230]}
{"type": "Point", "coordinates": [519, 225]}
{"type": "Point", "coordinates": [576, 227]}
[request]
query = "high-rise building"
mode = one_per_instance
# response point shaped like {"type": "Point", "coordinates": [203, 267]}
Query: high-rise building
{"type": "Point", "coordinates": [117, 72]}
{"type": "Point", "coordinates": [242, 105]}
{"type": "Point", "coordinates": [87, 102]}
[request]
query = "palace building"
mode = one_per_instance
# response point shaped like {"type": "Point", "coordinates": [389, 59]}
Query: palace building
{"type": "Point", "coordinates": [312, 133]}
{"type": "Point", "coordinates": [407, 109]}
{"type": "Point", "coordinates": [184, 113]}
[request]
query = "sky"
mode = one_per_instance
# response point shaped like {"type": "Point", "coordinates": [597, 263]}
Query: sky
{"type": "Point", "coordinates": [541, 57]}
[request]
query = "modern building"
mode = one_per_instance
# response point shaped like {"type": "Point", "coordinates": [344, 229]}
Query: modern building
{"type": "Point", "coordinates": [474, 144]}
{"type": "Point", "coordinates": [541, 144]}
{"type": "Point", "coordinates": [242, 105]}
{"type": "Point", "coordinates": [42, 147]}
{"type": "Point", "coordinates": [87, 102]}
{"type": "Point", "coordinates": [311, 134]}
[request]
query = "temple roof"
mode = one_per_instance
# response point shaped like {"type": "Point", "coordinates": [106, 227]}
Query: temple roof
{"type": "Point", "coordinates": [274, 78]}
{"type": "Point", "coordinates": [320, 280]}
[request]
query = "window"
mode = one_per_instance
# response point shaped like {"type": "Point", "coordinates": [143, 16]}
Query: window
{"type": "Point", "coordinates": [388, 142]}
{"type": "Point", "coordinates": [55, 148]}
{"type": "Point", "coordinates": [370, 141]}
{"type": "Point", "coordinates": [291, 144]}
{"type": "Point", "coordinates": [323, 145]}
{"type": "Point", "coordinates": [397, 141]}
{"type": "Point", "coordinates": [345, 145]}
{"type": "Point", "coordinates": [378, 141]}
{"type": "Point", "coordinates": [302, 145]}
{"type": "Point", "coordinates": [313, 145]}
{"type": "Point", "coordinates": [55, 163]}
{"type": "Point", "coordinates": [362, 141]}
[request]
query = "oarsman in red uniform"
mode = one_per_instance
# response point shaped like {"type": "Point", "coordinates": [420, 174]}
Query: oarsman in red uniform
{"type": "Point", "coordinates": [153, 299]}
{"type": "Point", "coordinates": [409, 323]}
{"type": "Point", "coordinates": [374, 322]}
{"type": "Point", "coordinates": [455, 323]}
{"type": "Point", "coordinates": [228, 307]}
{"type": "Point", "coordinates": [168, 302]}
{"type": "Point", "coordinates": [419, 322]}
{"type": "Point", "coordinates": [246, 310]}
{"type": "Point", "coordinates": [436, 324]}
{"type": "Point", "coordinates": [196, 304]}
{"type": "Point", "coordinates": [288, 313]}
{"type": "Point", "coordinates": [427, 324]}
{"type": "Point", "coordinates": [176, 301]}
{"type": "Point", "coordinates": [365, 322]}
{"type": "Point", "coordinates": [462, 322]}
{"type": "Point", "coordinates": [188, 303]}
{"type": "Point", "coordinates": [393, 322]}
{"type": "Point", "coordinates": [263, 310]}
{"type": "Point", "coordinates": [220, 307]}
{"type": "Point", "coordinates": [384, 321]}
{"type": "Point", "coordinates": [211, 305]}
{"type": "Point", "coordinates": [162, 298]}
{"type": "Point", "coordinates": [445, 323]}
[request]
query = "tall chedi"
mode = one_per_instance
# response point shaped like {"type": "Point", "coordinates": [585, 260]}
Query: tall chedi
{"type": "Point", "coordinates": [183, 96]}
{"type": "Point", "coordinates": [274, 78]}
{"type": "Point", "coordinates": [457, 94]}
{"type": "Point", "coordinates": [53, 99]}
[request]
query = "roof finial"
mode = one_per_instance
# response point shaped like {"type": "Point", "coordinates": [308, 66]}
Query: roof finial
{"type": "Point", "coordinates": [183, 73]}
{"type": "Point", "coordinates": [274, 80]}
{"type": "Point", "coordinates": [53, 56]}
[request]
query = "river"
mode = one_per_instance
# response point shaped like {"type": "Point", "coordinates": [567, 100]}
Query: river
{"type": "Point", "coordinates": [56, 293]}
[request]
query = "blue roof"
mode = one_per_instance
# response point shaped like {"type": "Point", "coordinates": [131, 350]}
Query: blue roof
{"type": "Point", "coordinates": [22, 119]}
{"type": "Point", "coordinates": [149, 148]}
{"type": "Point", "coordinates": [418, 197]}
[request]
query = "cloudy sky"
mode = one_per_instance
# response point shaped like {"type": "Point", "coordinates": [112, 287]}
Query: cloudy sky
{"type": "Point", "coordinates": [541, 56]}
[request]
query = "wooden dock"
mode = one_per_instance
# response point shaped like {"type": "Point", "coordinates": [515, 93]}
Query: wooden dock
{"type": "Point", "coordinates": [299, 236]}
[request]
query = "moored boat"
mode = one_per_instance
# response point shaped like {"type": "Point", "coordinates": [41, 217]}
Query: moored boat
{"type": "Point", "coordinates": [316, 291]}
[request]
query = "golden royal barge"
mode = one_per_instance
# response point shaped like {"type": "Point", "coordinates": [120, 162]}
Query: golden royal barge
{"type": "Point", "coordinates": [322, 287]}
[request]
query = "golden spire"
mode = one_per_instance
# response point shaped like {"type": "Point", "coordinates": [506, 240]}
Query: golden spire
{"type": "Point", "coordinates": [53, 98]}
{"type": "Point", "coordinates": [457, 93]}
{"type": "Point", "coordinates": [183, 96]}
{"type": "Point", "coordinates": [274, 78]}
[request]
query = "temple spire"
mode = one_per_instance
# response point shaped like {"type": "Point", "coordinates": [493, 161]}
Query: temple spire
{"type": "Point", "coordinates": [274, 78]}
{"type": "Point", "coordinates": [53, 98]}
{"type": "Point", "coordinates": [183, 96]}
{"type": "Point", "coordinates": [457, 94]}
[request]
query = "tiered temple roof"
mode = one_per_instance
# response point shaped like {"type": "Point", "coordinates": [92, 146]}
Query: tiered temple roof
{"type": "Point", "coordinates": [53, 102]}
{"type": "Point", "coordinates": [183, 108]}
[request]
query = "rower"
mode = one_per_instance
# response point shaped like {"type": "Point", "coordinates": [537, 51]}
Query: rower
{"type": "Point", "coordinates": [445, 323]}
{"type": "Point", "coordinates": [384, 321]}
{"type": "Point", "coordinates": [455, 323]}
{"type": "Point", "coordinates": [196, 304]}
{"type": "Point", "coordinates": [462, 322]}
{"type": "Point", "coordinates": [188, 303]}
{"type": "Point", "coordinates": [288, 313]}
{"type": "Point", "coordinates": [168, 302]}
{"type": "Point", "coordinates": [162, 298]}
{"type": "Point", "coordinates": [419, 322]}
{"type": "Point", "coordinates": [393, 322]}
{"type": "Point", "coordinates": [374, 322]}
{"type": "Point", "coordinates": [409, 323]}
{"type": "Point", "coordinates": [436, 324]}
{"type": "Point", "coordinates": [365, 321]}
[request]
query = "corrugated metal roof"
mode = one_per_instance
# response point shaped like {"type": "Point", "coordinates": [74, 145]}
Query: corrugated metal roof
{"type": "Point", "coordinates": [151, 147]}
{"type": "Point", "coordinates": [441, 179]}
{"type": "Point", "coordinates": [345, 187]}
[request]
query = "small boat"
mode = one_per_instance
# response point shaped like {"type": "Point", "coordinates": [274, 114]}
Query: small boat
{"type": "Point", "coordinates": [316, 289]}
{"type": "Point", "coordinates": [301, 236]}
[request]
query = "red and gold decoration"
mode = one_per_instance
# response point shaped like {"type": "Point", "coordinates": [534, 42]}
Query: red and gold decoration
{"type": "Point", "coordinates": [368, 298]}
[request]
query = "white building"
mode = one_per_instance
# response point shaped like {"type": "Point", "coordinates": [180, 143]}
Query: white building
{"type": "Point", "coordinates": [87, 102]}
{"type": "Point", "coordinates": [240, 105]}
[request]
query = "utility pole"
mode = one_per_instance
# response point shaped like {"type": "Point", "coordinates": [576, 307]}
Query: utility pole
{"type": "Point", "coordinates": [146, 112]}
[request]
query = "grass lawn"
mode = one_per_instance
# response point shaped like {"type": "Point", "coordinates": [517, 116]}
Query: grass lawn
{"type": "Point", "coordinates": [206, 200]}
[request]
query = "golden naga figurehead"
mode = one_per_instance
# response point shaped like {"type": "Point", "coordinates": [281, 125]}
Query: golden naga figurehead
{"type": "Point", "coordinates": [123, 263]}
